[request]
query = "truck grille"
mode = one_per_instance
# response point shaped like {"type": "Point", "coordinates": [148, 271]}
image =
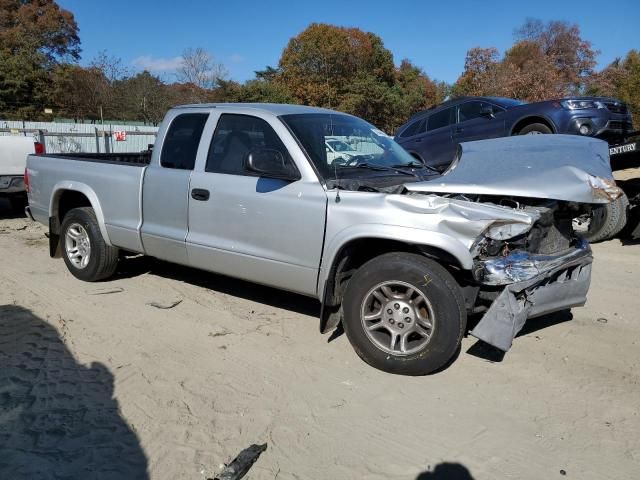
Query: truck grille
{"type": "Point", "coordinates": [616, 107]}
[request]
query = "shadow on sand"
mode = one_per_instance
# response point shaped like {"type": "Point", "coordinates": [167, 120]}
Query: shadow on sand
{"type": "Point", "coordinates": [58, 419]}
{"type": "Point", "coordinates": [254, 292]}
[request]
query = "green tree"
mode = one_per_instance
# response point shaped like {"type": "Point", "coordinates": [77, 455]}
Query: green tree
{"type": "Point", "coordinates": [319, 64]}
{"type": "Point", "coordinates": [142, 97]}
{"type": "Point", "coordinates": [79, 92]}
{"type": "Point", "coordinates": [35, 36]}
{"type": "Point", "coordinates": [352, 71]}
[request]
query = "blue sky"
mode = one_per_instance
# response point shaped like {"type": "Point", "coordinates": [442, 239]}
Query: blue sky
{"type": "Point", "coordinates": [248, 35]}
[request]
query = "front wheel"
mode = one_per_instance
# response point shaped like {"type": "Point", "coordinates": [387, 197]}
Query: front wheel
{"type": "Point", "coordinates": [535, 129]}
{"type": "Point", "coordinates": [86, 254]}
{"type": "Point", "coordinates": [404, 314]}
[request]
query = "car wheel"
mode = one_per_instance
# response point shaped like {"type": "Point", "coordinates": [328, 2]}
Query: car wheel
{"type": "Point", "coordinates": [86, 254]}
{"type": "Point", "coordinates": [535, 129]}
{"type": "Point", "coordinates": [404, 314]}
{"type": "Point", "coordinates": [605, 221]}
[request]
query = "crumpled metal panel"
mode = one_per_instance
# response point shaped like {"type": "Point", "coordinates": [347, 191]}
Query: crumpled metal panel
{"type": "Point", "coordinates": [558, 167]}
{"type": "Point", "coordinates": [565, 287]}
{"type": "Point", "coordinates": [519, 266]}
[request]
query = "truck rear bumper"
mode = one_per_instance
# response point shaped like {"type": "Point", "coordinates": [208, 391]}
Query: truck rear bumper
{"type": "Point", "coordinates": [10, 184]}
{"type": "Point", "coordinates": [561, 287]}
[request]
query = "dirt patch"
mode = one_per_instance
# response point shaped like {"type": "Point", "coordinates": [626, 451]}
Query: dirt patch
{"type": "Point", "coordinates": [177, 392]}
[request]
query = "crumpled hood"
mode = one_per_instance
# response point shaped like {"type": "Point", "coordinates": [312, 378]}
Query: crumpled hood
{"type": "Point", "coordinates": [558, 167]}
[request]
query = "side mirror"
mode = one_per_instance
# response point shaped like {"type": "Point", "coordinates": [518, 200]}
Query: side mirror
{"type": "Point", "coordinates": [270, 163]}
{"type": "Point", "coordinates": [487, 111]}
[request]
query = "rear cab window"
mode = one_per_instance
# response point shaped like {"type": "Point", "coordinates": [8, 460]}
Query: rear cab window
{"type": "Point", "coordinates": [180, 145]}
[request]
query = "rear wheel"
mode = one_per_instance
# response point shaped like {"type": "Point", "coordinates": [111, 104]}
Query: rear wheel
{"type": "Point", "coordinates": [404, 314]}
{"type": "Point", "coordinates": [86, 254]}
{"type": "Point", "coordinates": [535, 129]}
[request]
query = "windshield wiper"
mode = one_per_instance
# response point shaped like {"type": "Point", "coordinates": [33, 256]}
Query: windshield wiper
{"type": "Point", "coordinates": [416, 164]}
{"type": "Point", "coordinates": [383, 168]}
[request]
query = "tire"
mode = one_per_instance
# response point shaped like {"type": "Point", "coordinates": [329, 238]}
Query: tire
{"type": "Point", "coordinates": [607, 220]}
{"type": "Point", "coordinates": [80, 230]}
{"type": "Point", "coordinates": [436, 297]}
{"type": "Point", "coordinates": [535, 128]}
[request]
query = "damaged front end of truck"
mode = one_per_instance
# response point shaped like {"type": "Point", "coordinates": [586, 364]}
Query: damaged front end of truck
{"type": "Point", "coordinates": [516, 218]}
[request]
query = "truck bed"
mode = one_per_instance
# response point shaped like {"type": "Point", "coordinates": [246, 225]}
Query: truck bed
{"type": "Point", "coordinates": [114, 192]}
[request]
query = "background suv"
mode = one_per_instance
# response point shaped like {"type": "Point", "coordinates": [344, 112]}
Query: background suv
{"type": "Point", "coordinates": [432, 135]}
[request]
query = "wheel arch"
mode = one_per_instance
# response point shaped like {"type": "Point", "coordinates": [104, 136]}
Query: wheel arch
{"type": "Point", "coordinates": [529, 119]}
{"type": "Point", "coordinates": [344, 259]}
{"type": "Point", "coordinates": [69, 195]}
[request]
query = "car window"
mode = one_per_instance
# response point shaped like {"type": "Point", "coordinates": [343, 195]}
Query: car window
{"type": "Point", "coordinates": [471, 110]}
{"type": "Point", "coordinates": [415, 128]}
{"type": "Point", "coordinates": [440, 119]}
{"type": "Point", "coordinates": [338, 146]}
{"type": "Point", "coordinates": [180, 145]}
{"type": "Point", "coordinates": [235, 137]}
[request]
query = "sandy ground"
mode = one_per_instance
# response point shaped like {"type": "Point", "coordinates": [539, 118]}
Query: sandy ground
{"type": "Point", "coordinates": [96, 383]}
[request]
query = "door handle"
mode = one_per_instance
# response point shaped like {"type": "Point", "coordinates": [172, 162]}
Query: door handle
{"type": "Point", "coordinates": [459, 130]}
{"type": "Point", "coordinates": [418, 140]}
{"type": "Point", "coordinates": [200, 194]}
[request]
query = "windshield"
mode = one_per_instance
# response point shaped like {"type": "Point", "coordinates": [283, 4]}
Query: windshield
{"type": "Point", "coordinates": [508, 102]}
{"type": "Point", "coordinates": [360, 144]}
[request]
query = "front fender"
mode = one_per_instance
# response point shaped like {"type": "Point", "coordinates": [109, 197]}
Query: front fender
{"type": "Point", "coordinates": [415, 236]}
{"type": "Point", "coordinates": [60, 187]}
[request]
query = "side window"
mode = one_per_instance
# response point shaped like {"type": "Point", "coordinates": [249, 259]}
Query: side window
{"type": "Point", "coordinates": [471, 110]}
{"type": "Point", "coordinates": [235, 137]}
{"type": "Point", "coordinates": [415, 128]}
{"type": "Point", "coordinates": [180, 145]}
{"type": "Point", "coordinates": [440, 119]}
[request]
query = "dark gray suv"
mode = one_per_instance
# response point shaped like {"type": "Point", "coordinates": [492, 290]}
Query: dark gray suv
{"type": "Point", "coordinates": [432, 135]}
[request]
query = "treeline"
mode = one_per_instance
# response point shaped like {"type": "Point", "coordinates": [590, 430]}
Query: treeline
{"type": "Point", "coordinates": [549, 61]}
{"type": "Point", "coordinates": [325, 65]}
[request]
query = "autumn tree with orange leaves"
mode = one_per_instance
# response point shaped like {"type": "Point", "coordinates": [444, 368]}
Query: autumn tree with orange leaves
{"type": "Point", "coordinates": [351, 70]}
{"type": "Point", "coordinates": [547, 61]}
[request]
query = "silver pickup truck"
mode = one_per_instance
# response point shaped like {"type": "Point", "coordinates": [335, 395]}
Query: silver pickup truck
{"type": "Point", "coordinates": [399, 253]}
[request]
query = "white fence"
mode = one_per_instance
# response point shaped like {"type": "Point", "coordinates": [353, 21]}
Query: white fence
{"type": "Point", "coordinates": [78, 137]}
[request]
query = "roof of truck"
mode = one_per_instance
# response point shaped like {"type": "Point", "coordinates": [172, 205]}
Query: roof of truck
{"type": "Point", "coordinates": [272, 108]}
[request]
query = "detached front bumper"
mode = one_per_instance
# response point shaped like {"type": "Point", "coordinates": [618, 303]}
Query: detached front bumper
{"type": "Point", "coordinates": [542, 285]}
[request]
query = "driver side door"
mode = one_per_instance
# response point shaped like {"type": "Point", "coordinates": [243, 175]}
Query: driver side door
{"type": "Point", "coordinates": [261, 229]}
{"type": "Point", "coordinates": [478, 120]}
